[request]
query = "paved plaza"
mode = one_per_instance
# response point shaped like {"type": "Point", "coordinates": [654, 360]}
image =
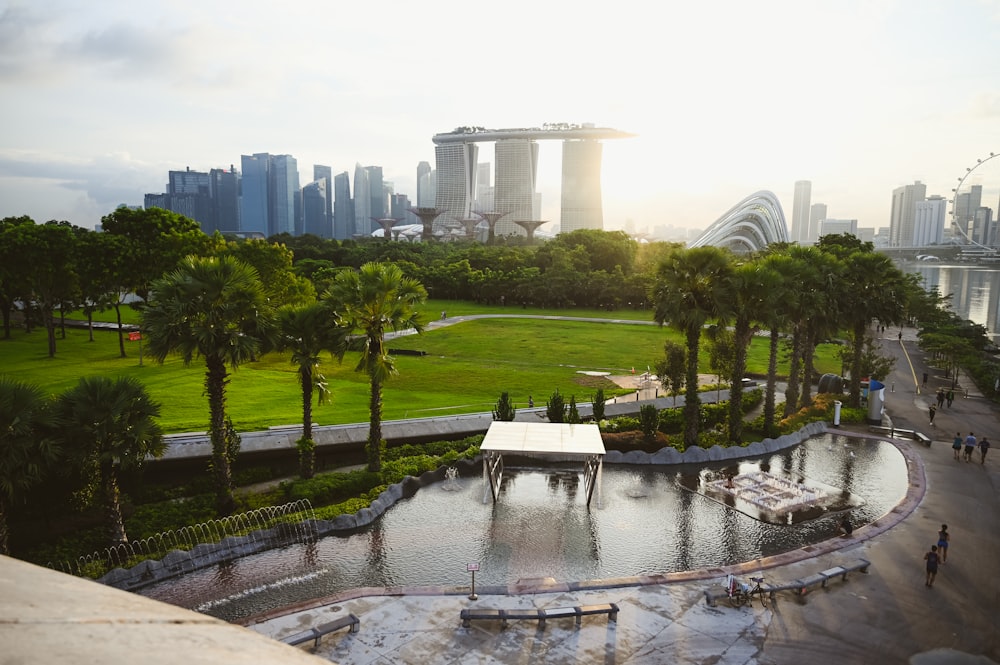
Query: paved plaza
{"type": "Point", "coordinates": [885, 616]}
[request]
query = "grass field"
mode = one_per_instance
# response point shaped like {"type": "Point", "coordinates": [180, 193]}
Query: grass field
{"type": "Point", "coordinates": [466, 368]}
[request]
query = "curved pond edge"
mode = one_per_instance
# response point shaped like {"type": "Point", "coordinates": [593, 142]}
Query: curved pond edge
{"type": "Point", "coordinates": [180, 562]}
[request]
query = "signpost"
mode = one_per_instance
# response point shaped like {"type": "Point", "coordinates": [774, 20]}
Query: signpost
{"type": "Point", "coordinates": [472, 568]}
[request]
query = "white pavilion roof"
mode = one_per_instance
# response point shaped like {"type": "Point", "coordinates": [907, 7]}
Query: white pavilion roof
{"type": "Point", "coordinates": [562, 438]}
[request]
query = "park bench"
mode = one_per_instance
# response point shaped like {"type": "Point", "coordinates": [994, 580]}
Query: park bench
{"type": "Point", "coordinates": [319, 631]}
{"type": "Point", "coordinates": [799, 586]}
{"type": "Point", "coordinates": [503, 616]}
{"type": "Point", "coordinates": [920, 437]}
{"type": "Point", "coordinates": [802, 586]}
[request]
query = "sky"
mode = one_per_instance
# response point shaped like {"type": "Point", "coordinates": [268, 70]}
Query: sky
{"type": "Point", "coordinates": [725, 97]}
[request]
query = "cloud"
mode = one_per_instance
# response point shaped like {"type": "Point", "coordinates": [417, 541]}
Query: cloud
{"type": "Point", "coordinates": [80, 190]}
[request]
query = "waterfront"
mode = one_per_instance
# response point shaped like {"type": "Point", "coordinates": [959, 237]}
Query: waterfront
{"type": "Point", "coordinates": [975, 290]}
{"type": "Point", "coordinates": [653, 520]}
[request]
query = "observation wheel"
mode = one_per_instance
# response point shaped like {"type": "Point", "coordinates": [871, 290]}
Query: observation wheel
{"type": "Point", "coordinates": [954, 202]}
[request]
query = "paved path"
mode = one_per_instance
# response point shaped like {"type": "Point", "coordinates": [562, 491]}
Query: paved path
{"type": "Point", "coordinates": [887, 616]}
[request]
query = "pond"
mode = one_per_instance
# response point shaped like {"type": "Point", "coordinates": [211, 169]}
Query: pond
{"type": "Point", "coordinates": [652, 519]}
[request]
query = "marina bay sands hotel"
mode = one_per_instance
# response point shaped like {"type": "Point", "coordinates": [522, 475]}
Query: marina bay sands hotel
{"type": "Point", "coordinates": [516, 161]}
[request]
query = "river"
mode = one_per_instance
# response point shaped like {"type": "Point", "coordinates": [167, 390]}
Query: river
{"type": "Point", "coordinates": [974, 290]}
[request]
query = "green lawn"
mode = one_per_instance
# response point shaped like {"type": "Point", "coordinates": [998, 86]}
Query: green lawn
{"type": "Point", "coordinates": [467, 367]}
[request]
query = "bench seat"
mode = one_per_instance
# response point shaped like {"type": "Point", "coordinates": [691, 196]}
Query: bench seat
{"type": "Point", "coordinates": [469, 615]}
{"type": "Point", "coordinates": [319, 631]}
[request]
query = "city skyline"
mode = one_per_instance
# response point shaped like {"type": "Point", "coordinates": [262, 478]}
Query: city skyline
{"type": "Point", "coordinates": [859, 99]}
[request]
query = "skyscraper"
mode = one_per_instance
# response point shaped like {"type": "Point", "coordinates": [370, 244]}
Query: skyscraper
{"type": "Point", "coordinates": [928, 221]}
{"type": "Point", "coordinates": [326, 173]}
{"type": "Point", "coordinates": [224, 190]}
{"type": "Point", "coordinates": [254, 200]}
{"type": "Point", "coordinates": [314, 204]}
{"type": "Point", "coordinates": [582, 207]}
{"type": "Point", "coordinates": [425, 185]}
{"type": "Point", "coordinates": [343, 207]}
{"type": "Point", "coordinates": [966, 205]}
{"type": "Point", "coordinates": [817, 213]}
{"type": "Point", "coordinates": [903, 213]}
{"type": "Point", "coordinates": [514, 193]}
{"type": "Point", "coordinates": [800, 212]}
{"type": "Point", "coordinates": [362, 202]}
{"type": "Point", "coordinates": [284, 183]}
{"type": "Point", "coordinates": [271, 202]}
{"type": "Point", "coordinates": [188, 195]}
{"type": "Point", "coordinates": [456, 178]}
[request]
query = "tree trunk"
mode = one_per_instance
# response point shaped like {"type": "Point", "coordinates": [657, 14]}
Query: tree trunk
{"type": "Point", "coordinates": [50, 329]}
{"type": "Point", "coordinates": [112, 506]}
{"type": "Point", "coordinates": [794, 367]}
{"type": "Point", "coordinates": [121, 331]}
{"type": "Point", "coordinates": [375, 426]}
{"type": "Point", "coordinates": [4, 530]}
{"type": "Point", "coordinates": [307, 449]}
{"type": "Point", "coordinates": [742, 335]}
{"type": "Point", "coordinates": [808, 366]}
{"type": "Point", "coordinates": [692, 400]}
{"type": "Point", "coordinates": [856, 354]}
{"type": "Point", "coordinates": [215, 385]}
{"type": "Point", "coordinates": [772, 380]}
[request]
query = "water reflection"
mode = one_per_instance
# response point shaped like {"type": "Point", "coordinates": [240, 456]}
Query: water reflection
{"type": "Point", "coordinates": [541, 527]}
{"type": "Point", "coordinates": [974, 290]}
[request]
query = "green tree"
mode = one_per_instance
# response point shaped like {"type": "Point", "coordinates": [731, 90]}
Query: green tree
{"type": "Point", "coordinates": [504, 409]}
{"type": "Point", "coordinates": [152, 243]}
{"type": "Point", "coordinates": [49, 252]}
{"type": "Point", "coordinates": [871, 289]}
{"type": "Point", "coordinates": [107, 426]}
{"type": "Point", "coordinates": [273, 263]}
{"type": "Point", "coordinates": [375, 299]}
{"type": "Point", "coordinates": [26, 451]}
{"type": "Point", "coordinates": [672, 368]}
{"type": "Point", "coordinates": [214, 308]}
{"type": "Point", "coordinates": [14, 268]}
{"type": "Point", "coordinates": [572, 412]}
{"type": "Point", "coordinates": [649, 421]}
{"type": "Point", "coordinates": [753, 289]}
{"type": "Point", "coordinates": [555, 408]}
{"type": "Point", "coordinates": [307, 331]}
{"type": "Point", "coordinates": [691, 289]}
{"type": "Point", "coordinates": [598, 405]}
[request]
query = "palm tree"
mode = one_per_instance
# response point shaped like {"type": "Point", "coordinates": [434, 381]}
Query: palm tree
{"type": "Point", "coordinates": [691, 288]}
{"type": "Point", "coordinates": [307, 331]}
{"type": "Point", "coordinates": [375, 298]}
{"type": "Point", "coordinates": [780, 300]}
{"type": "Point", "coordinates": [25, 452]}
{"type": "Point", "coordinates": [213, 307]}
{"type": "Point", "coordinates": [872, 289]}
{"type": "Point", "coordinates": [109, 425]}
{"type": "Point", "coordinates": [753, 285]}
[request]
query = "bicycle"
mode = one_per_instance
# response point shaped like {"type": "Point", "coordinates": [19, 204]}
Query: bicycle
{"type": "Point", "coordinates": [741, 593]}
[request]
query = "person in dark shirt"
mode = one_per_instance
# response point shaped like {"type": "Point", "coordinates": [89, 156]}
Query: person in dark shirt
{"type": "Point", "coordinates": [932, 565]}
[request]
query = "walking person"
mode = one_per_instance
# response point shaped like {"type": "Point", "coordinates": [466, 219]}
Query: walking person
{"type": "Point", "coordinates": [933, 410]}
{"type": "Point", "coordinates": [970, 445]}
{"type": "Point", "coordinates": [984, 447]}
{"type": "Point", "coordinates": [943, 538]}
{"type": "Point", "coordinates": [932, 565]}
{"type": "Point", "coordinates": [956, 445]}
{"type": "Point", "coordinates": [940, 397]}
{"type": "Point", "coordinates": [950, 397]}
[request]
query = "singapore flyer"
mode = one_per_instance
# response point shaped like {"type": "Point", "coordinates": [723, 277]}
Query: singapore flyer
{"type": "Point", "coordinates": [972, 217]}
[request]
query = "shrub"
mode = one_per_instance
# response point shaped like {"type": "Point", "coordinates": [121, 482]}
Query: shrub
{"type": "Point", "coordinates": [555, 408]}
{"type": "Point", "coordinates": [649, 420]}
{"type": "Point", "coordinates": [504, 410]}
{"type": "Point", "coordinates": [598, 405]}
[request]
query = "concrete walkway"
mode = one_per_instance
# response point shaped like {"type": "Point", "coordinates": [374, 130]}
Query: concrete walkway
{"type": "Point", "coordinates": [887, 616]}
